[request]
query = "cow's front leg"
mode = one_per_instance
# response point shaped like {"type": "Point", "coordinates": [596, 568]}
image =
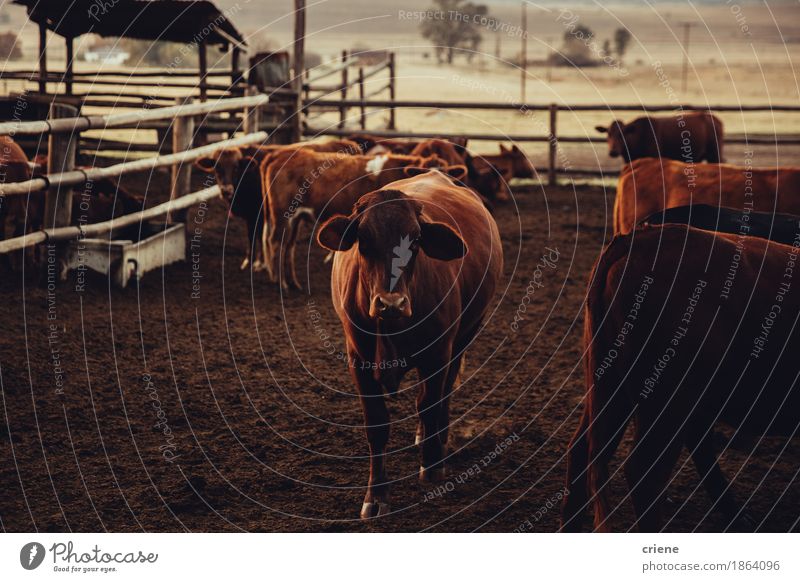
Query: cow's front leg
{"type": "Point", "coordinates": [429, 403]}
{"type": "Point", "coordinates": [376, 424]}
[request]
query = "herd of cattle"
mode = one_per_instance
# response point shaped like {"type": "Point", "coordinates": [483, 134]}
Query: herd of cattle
{"type": "Point", "coordinates": [690, 310]}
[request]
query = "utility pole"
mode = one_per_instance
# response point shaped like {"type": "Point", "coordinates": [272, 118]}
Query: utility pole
{"type": "Point", "coordinates": [524, 52]}
{"type": "Point", "coordinates": [687, 27]}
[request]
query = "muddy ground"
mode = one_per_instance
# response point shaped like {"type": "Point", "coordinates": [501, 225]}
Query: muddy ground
{"type": "Point", "coordinates": [213, 404]}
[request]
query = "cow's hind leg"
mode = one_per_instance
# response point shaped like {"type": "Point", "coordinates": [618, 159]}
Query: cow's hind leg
{"type": "Point", "coordinates": [647, 471]}
{"type": "Point", "coordinates": [376, 424]}
{"type": "Point", "coordinates": [717, 486]}
{"type": "Point", "coordinates": [576, 497]}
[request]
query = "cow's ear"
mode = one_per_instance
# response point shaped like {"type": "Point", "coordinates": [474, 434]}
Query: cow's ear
{"type": "Point", "coordinates": [205, 164]}
{"type": "Point", "coordinates": [412, 171]}
{"type": "Point", "coordinates": [338, 233]}
{"type": "Point", "coordinates": [601, 128]}
{"type": "Point", "coordinates": [503, 149]}
{"type": "Point", "coordinates": [515, 149]}
{"type": "Point", "coordinates": [458, 172]}
{"type": "Point", "coordinates": [439, 241]}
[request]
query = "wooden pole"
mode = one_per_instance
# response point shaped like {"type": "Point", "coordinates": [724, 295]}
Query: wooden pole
{"type": "Point", "coordinates": [182, 135]}
{"type": "Point", "coordinates": [687, 27]}
{"type": "Point", "coordinates": [252, 114]}
{"type": "Point", "coordinates": [42, 58]}
{"type": "Point", "coordinates": [343, 109]}
{"type": "Point", "coordinates": [524, 54]}
{"type": "Point", "coordinates": [299, 67]}
{"type": "Point", "coordinates": [392, 89]}
{"type": "Point", "coordinates": [70, 41]}
{"type": "Point", "coordinates": [61, 157]}
{"type": "Point", "coordinates": [203, 50]}
{"type": "Point", "coordinates": [552, 180]}
{"type": "Point", "coordinates": [363, 108]}
{"type": "Point", "coordinates": [236, 73]}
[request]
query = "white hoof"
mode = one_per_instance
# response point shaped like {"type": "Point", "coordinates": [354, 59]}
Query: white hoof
{"type": "Point", "coordinates": [374, 509]}
{"type": "Point", "coordinates": [245, 264]}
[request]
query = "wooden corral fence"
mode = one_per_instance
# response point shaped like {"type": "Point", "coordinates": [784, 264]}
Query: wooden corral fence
{"type": "Point", "coordinates": [97, 88]}
{"type": "Point", "coordinates": [552, 137]}
{"type": "Point", "coordinates": [352, 76]}
{"type": "Point", "coordinates": [63, 131]}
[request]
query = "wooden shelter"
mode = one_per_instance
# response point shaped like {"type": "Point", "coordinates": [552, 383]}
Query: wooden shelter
{"type": "Point", "coordinates": [190, 22]}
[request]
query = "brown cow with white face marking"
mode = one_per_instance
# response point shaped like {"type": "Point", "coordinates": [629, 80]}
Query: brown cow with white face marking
{"type": "Point", "coordinates": [238, 174]}
{"type": "Point", "coordinates": [691, 137]}
{"type": "Point", "coordinates": [414, 275]}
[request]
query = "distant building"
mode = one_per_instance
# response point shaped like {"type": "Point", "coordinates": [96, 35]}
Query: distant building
{"type": "Point", "coordinates": [106, 55]}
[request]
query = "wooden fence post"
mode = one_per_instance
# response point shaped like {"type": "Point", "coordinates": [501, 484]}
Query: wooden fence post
{"type": "Point", "coordinates": [182, 137]}
{"type": "Point", "coordinates": [252, 114]}
{"type": "Point", "coordinates": [61, 156]}
{"type": "Point", "coordinates": [552, 180]}
{"type": "Point", "coordinates": [362, 108]}
{"type": "Point", "coordinates": [203, 54]}
{"type": "Point", "coordinates": [392, 81]}
{"type": "Point", "coordinates": [343, 109]}
{"type": "Point", "coordinates": [42, 58]}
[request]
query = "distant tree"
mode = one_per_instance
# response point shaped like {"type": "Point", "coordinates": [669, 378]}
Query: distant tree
{"type": "Point", "coordinates": [454, 27]}
{"type": "Point", "coordinates": [159, 53]}
{"type": "Point", "coordinates": [621, 40]}
{"type": "Point", "coordinates": [577, 47]}
{"type": "Point", "coordinates": [10, 47]}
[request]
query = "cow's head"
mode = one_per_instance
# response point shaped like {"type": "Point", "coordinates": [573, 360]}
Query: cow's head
{"type": "Point", "coordinates": [520, 164]}
{"type": "Point", "coordinates": [388, 229]}
{"type": "Point", "coordinates": [228, 166]}
{"type": "Point", "coordinates": [622, 139]}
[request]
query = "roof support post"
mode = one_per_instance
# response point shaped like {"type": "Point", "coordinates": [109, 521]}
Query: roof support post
{"type": "Point", "coordinates": [42, 58]}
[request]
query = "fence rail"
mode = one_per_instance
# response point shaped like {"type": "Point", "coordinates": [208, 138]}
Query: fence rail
{"type": "Point", "coordinates": [552, 137]}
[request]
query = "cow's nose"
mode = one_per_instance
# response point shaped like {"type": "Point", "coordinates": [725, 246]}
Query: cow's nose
{"type": "Point", "coordinates": [391, 306]}
{"type": "Point", "coordinates": [227, 190]}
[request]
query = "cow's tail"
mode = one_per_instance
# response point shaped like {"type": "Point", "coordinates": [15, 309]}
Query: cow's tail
{"type": "Point", "coordinates": [607, 408]}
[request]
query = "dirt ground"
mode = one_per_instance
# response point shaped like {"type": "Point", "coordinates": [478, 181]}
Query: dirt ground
{"type": "Point", "coordinates": [213, 403]}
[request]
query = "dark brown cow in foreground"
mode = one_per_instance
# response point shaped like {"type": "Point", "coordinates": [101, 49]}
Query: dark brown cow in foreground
{"type": "Point", "coordinates": [650, 185]}
{"type": "Point", "coordinates": [414, 276]}
{"type": "Point", "coordinates": [237, 171]}
{"type": "Point", "coordinates": [691, 137]}
{"type": "Point", "coordinates": [683, 328]}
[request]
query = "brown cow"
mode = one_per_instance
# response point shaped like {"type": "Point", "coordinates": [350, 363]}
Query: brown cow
{"type": "Point", "coordinates": [14, 167]}
{"type": "Point", "coordinates": [683, 327]}
{"type": "Point", "coordinates": [419, 309]}
{"type": "Point", "coordinates": [237, 172]}
{"type": "Point", "coordinates": [651, 185]}
{"type": "Point", "coordinates": [308, 186]}
{"type": "Point", "coordinates": [375, 145]}
{"type": "Point", "coordinates": [691, 137]}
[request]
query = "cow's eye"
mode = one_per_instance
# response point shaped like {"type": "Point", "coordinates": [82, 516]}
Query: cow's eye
{"type": "Point", "coordinates": [415, 244]}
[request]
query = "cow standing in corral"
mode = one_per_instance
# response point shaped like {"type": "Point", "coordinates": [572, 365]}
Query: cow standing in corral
{"type": "Point", "coordinates": [651, 185]}
{"type": "Point", "coordinates": [237, 171]}
{"type": "Point", "coordinates": [690, 137]}
{"type": "Point", "coordinates": [683, 328]}
{"type": "Point", "coordinates": [309, 186]}
{"type": "Point", "coordinates": [414, 275]}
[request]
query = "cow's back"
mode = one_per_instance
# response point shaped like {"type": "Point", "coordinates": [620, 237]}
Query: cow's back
{"type": "Point", "coordinates": [651, 185]}
{"type": "Point", "coordinates": [696, 343]}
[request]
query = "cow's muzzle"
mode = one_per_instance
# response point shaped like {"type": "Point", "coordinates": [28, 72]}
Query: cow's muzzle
{"type": "Point", "coordinates": [613, 153]}
{"type": "Point", "coordinates": [390, 306]}
{"type": "Point", "coordinates": [227, 191]}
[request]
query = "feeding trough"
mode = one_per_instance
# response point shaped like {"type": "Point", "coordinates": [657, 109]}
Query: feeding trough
{"type": "Point", "coordinates": [130, 252]}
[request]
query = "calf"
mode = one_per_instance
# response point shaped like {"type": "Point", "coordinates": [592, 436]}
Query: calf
{"type": "Point", "coordinates": [237, 172]}
{"type": "Point", "coordinates": [650, 185]}
{"type": "Point", "coordinates": [306, 185]}
{"type": "Point", "coordinates": [691, 137]}
{"type": "Point", "coordinates": [414, 274]}
{"type": "Point", "coordinates": [683, 328]}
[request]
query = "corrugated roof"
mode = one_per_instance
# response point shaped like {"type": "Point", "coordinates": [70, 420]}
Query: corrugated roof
{"type": "Point", "coordinates": [170, 20]}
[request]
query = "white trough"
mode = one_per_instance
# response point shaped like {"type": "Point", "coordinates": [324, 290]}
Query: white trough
{"type": "Point", "coordinates": [123, 259]}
